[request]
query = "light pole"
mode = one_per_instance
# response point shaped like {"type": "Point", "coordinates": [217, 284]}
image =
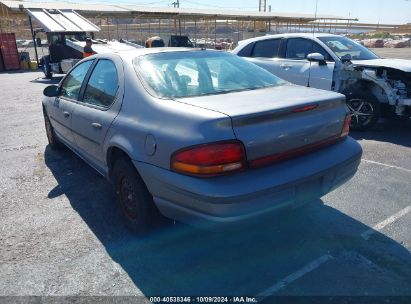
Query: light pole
{"type": "Point", "coordinates": [262, 7]}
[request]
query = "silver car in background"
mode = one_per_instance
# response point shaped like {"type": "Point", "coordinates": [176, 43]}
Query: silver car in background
{"type": "Point", "coordinates": [200, 136]}
{"type": "Point", "coordinates": [375, 87]}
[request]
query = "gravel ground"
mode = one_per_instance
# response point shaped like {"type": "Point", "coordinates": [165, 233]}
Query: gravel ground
{"type": "Point", "coordinates": [62, 233]}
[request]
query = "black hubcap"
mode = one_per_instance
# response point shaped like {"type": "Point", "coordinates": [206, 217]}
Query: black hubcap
{"type": "Point", "coordinates": [362, 112]}
{"type": "Point", "coordinates": [128, 198]}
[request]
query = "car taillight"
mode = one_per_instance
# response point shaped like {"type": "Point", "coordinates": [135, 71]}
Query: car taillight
{"type": "Point", "coordinates": [305, 108]}
{"type": "Point", "coordinates": [346, 127]}
{"type": "Point", "coordinates": [210, 159]}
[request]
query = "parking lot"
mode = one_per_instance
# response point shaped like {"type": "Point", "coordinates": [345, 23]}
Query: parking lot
{"type": "Point", "coordinates": [62, 232]}
{"type": "Point", "coordinates": [393, 53]}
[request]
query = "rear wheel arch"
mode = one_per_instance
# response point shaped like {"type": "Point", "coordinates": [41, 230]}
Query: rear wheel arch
{"type": "Point", "coordinates": [114, 153]}
{"type": "Point", "coordinates": [116, 145]}
{"type": "Point", "coordinates": [136, 202]}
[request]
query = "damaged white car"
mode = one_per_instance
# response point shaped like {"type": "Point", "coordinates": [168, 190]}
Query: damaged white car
{"type": "Point", "coordinates": [374, 87]}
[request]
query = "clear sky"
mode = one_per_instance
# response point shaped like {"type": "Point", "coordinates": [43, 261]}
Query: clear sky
{"type": "Point", "coordinates": [370, 11]}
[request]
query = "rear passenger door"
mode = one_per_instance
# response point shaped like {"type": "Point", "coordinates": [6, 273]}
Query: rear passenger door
{"type": "Point", "coordinates": [100, 103]}
{"type": "Point", "coordinates": [265, 53]}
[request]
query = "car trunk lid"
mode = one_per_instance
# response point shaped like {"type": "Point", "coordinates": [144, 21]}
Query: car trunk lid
{"type": "Point", "coordinates": [275, 120]}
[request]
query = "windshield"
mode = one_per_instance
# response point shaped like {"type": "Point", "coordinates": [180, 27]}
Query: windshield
{"type": "Point", "coordinates": [196, 73]}
{"type": "Point", "coordinates": [348, 49]}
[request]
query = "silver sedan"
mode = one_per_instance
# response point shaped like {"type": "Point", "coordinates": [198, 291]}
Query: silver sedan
{"type": "Point", "coordinates": [200, 136]}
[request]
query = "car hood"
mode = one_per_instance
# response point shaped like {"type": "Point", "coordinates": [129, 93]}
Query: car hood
{"type": "Point", "coordinates": [399, 64]}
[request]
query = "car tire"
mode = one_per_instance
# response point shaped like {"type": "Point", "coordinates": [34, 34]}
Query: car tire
{"type": "Point", "coordinates": [365, 110]}
{"type": "Point", "coordinates": [46, 68]}
{"type": "Point", "coordinates": [54, 143]}
{"type": "Point", "coordinates": [135, 200]}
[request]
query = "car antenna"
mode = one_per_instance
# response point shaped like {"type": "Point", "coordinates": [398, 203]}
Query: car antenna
{"type": "Point", "coordinates": [315, 15]}
{"type": "Point", "coordinates": [312, 45]}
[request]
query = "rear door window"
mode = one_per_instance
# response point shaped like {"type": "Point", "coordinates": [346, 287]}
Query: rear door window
{"type": "Point", "coordinates": [103, 84]}
{"type": "Point", "coordinates": [71, 85]}
{"type": "Point", "coordinates": [267, 48]}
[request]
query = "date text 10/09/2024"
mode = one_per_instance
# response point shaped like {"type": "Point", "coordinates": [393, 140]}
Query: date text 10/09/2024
{"type": "Point", "coordinates": [203, 299]}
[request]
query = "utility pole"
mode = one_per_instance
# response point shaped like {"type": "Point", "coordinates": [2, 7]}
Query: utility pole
{"type": "Point", "coordinates": [176, 4]}
{"type": "Point", "coordinates": [262, 7]}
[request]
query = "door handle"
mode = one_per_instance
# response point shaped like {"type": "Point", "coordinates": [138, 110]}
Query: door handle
{"type": "Point", "coordinates": [96, 125]}
{"type": "Point", "coordinates": [66, 114]}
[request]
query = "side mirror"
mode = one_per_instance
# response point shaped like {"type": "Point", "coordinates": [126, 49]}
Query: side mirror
{"type": "Point", "coordinates": [316, 57]}
{"type": "Point", "coordinates": [346, 58]}
{"type": "Point", "coordinates": [51, 91]}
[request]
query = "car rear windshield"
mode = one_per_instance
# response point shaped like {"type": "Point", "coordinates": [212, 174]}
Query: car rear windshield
{"type": "Point", "coordinates": [196, 73]}
{"type": "Point", "coordinates": [348, 49]}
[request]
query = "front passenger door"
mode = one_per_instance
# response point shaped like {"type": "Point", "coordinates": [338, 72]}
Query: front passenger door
{"type": "Point", "coordinates": [61, 108]}
{"type": "Point", "coordinates": [295, 67]}
{"type": "Point", "coordinates": [321, 75]}
{"type": "Point", "coordinates": [96, 110]}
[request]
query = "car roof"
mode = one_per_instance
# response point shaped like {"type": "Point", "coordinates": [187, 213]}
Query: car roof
{"type": "Point", "coordinates": [303, 35]}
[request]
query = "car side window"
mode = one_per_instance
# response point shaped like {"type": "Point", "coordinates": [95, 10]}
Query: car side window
{"type": "Point", "coordinates": [246, 51]}
{"type": "Point", "coordinates": [266, 48]}
{"type": "Point", "coordinates": [316, 48]}
{"type": "Point", "coordinates": [102, 86]}
{"type": "Point", "coordinates": [298, 48]}
{"type": "Point", "coordinates": [71, 85]}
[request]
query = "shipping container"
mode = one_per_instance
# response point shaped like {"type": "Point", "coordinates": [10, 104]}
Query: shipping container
{"type": "Point", "coordinates": [1, 64]}
{"type": "Point", "coordinates": [9, 52]}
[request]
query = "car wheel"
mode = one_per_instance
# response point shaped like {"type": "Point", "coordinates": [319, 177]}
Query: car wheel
{"type": "Point", "coordinates": [54, 143]}
{"type": "Point", "coordinates": [135, 200]}
{"type": "Point", "coordinates": [46, 68]}
{"type": "Point", "coordinates": [365, 110]}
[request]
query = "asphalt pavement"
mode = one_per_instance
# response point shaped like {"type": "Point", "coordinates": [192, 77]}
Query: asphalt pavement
{"type": "Point", "coordinates": [62, 232]}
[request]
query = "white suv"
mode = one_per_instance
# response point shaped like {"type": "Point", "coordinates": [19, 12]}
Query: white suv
{"type": "Point", "coordinates": [373, 86]}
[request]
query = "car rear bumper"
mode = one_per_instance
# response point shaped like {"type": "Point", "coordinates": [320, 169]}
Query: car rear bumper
{"type": "Point", "coordinates": [249, 194]}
